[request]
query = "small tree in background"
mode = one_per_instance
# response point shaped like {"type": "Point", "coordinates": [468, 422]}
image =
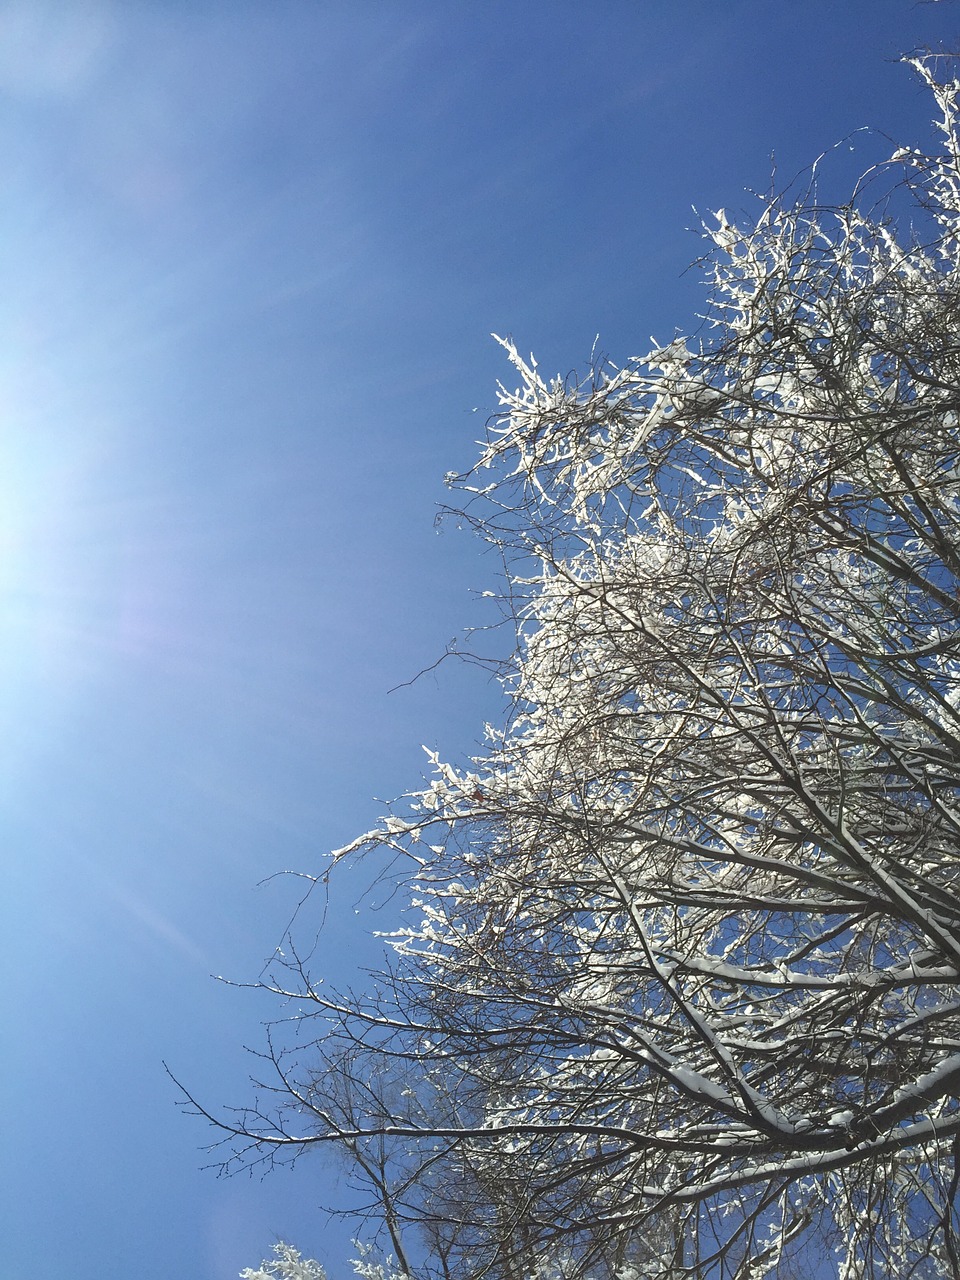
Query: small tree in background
{"type": "Point", "coordinates": [678, 987]}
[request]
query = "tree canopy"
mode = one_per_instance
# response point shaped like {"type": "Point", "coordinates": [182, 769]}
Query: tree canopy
{"type": "Point", "coordinates": [676, 991]}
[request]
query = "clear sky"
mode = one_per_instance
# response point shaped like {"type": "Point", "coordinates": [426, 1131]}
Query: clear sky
{"type": "Point", "coordinates": [250, 256]}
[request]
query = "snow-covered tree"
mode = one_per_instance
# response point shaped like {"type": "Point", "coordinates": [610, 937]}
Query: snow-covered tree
{"type": "Point", "coordinates": [286, 1264]}
{"type": "Point", "coordinates": [678, 987]}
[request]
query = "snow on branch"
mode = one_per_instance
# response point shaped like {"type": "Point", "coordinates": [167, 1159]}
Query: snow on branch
{"type": "Point", "coordinates": [675, 987]}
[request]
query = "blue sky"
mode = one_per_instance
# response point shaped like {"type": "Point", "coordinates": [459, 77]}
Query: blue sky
{"type": "Point", "coordinates": [250, 256]}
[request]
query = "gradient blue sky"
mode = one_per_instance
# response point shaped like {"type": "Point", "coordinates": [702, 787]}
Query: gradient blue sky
{"type": "Point", "coordinates": [250, 256]}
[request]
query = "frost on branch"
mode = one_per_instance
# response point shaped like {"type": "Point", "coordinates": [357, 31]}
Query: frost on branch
{"type": "Point", "coordinates": [678, 989]}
